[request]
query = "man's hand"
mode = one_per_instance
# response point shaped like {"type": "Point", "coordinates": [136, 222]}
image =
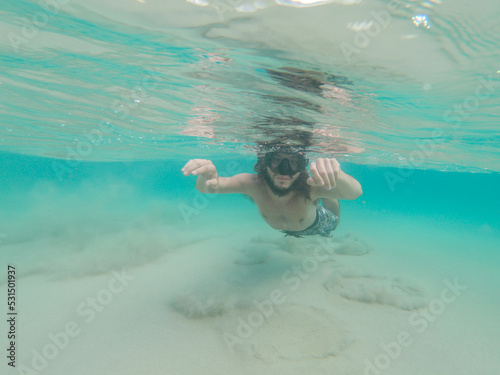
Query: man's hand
{"type": "Point", "coordinates": [325, 173]}
{"type": "Point", "coordinates": [203, 168]}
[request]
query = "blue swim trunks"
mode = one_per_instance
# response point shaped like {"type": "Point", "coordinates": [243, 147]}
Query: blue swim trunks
{"type": "Point", "coordinates": [324, 224]}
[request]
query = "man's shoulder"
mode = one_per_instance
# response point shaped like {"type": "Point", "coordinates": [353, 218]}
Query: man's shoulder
{"type": "Point", "coordinates": [250, 181]}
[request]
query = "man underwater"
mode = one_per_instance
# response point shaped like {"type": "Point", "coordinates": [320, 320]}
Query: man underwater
{"type": "Point", "coordinates": [286, 196]}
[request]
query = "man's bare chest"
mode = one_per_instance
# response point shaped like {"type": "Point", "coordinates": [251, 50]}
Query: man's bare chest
{"type": "Point", "coordinates": [294, 215]}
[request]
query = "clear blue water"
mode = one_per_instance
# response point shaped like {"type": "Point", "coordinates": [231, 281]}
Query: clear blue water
{"type": "Point", "coordinates": [102, 103]}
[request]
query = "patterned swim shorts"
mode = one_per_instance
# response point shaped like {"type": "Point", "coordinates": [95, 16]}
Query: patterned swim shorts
{"type": "Point", "coordinates": [324, 224]}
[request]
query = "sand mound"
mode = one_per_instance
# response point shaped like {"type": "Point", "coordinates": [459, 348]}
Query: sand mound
{"type": "Point", "coordinates": [384, 291]}
{"type": "Point", "coordinates": [204, 301]}
{"type": "Point", "coordinates": [350, 244]}
{"type": "Point", "coordinates": [256, 253]}
{"type": "Point", "coordinates": [288, 332]}
{"type": "Point", "coordinates": [194, 307]}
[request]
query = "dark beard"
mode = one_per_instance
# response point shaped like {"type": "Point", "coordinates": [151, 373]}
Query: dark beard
{"type": "Point", "coordinates": [280, 192]}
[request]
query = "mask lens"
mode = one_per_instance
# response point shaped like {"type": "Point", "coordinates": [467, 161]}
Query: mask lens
{"type": "Point", "coordinates": [296, 162]}
{"type": "Point", "coordinates": [278, 159]}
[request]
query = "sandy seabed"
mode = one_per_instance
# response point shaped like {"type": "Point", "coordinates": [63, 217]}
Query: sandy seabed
{"type": "Point", "coordinates": [107, 287]}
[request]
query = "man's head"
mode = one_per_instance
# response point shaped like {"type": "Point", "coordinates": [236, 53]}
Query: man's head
{"type": "Point", "coordinates": [284, 170]}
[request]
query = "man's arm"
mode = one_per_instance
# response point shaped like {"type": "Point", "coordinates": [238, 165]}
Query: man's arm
{"type": "Point", "coordinates": [237, 184]}
{"type": "Point", "coordinates": [209, 182]}
{"type": "Point", "coordinates": [346, 187]}
{"type": "Point", "coordinates": [328, 181]}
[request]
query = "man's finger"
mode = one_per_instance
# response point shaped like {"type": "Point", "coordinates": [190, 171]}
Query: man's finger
{"type": "Point", "coordinates": [317, 180]}
{"type": "Point", "coordinates": [190, 166]}
{"type": "Point", "coordinates": [193, 165]}
{"type": "Point", "coordinates": [337, 171]}
{"type": "Point", "coordinates": [202, 169]}
{"type": "Point", "coordinates": [331, 175]}
{"type": "Point", "coordinates": [186, 166]}
{"type": "Point", "coordinates": [211, 182]}
{"type": "Point", "coordinates": [321, 167]}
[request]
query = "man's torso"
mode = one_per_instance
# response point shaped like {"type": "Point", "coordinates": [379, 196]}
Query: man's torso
{"type": "Point", "coordinates": [295, 213]}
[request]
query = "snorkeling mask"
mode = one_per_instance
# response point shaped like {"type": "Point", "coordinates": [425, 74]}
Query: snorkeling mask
{"type": "Point", "coordinates": [285, 162]}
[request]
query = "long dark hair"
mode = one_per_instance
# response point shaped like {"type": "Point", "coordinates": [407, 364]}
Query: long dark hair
{"type": "Point", "coordinates": [300, 185]}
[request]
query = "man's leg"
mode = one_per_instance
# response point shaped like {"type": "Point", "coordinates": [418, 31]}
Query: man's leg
{"type": "Point", "coordinates": [332, 205]}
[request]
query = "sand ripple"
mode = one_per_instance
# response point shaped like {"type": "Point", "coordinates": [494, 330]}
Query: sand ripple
{"type": "Point", "coordinates": [384, 291]}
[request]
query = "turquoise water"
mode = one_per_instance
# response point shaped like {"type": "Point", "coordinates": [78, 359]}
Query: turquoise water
{"type": "Point", "coordinates": [102, 104]}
